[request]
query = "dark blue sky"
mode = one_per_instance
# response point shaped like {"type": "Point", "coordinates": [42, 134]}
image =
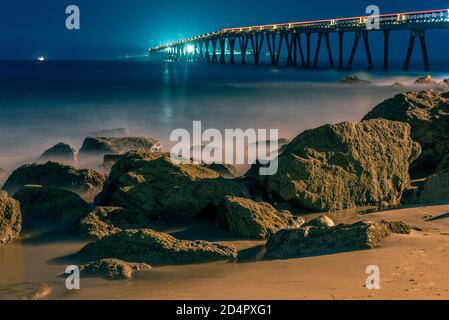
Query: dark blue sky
{"type": "Point", "coordinates": [113, 27]}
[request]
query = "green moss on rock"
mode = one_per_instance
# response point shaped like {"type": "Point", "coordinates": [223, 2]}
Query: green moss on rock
{"type": "Point", "coordinates": [255, 220]}
{"type": "Point", "coordinates": [155, 248]}
{"type": "Point", "coordinates": [346, 165]}
{"type": "Point", "coordinates": [10, 219]}
{"type": "Point", "coordinates": [154, 185]}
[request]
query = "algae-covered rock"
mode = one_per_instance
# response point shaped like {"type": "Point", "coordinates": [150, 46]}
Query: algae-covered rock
{"type": "Point", "coordinates": [112, 269]}
{"type": "Point", "coordinates": [154, 185]}
{"type": "Point", "coordinates": [105, 221]}
{"type": "Point", "coordinates": [97, 225]}
{"type": "Point", "coordinates": [310, 240]}
{"type": "Point", "coordinates": [355, 80]}
{"type": "Point", "coordinates": [435, 189]}
{"type": "Point", "coordinates": [100, 146]}
{"type": "Point", "coordinates": [427, 112]}
{"type": "Point", "coordinates": [397, 227]}
{"type": "Point", "coordinates": [10, 219]}
{"type": "Point", "coordinates": [85, 182]}
{"type": "Point", "coordinates": [151, 247]}
{"type": "Point", "coordinates": [61, 152]}
{"type": "Point", "coordinates": [50, 206]}
{"type": "Point", "coordinates": [255, 220]}
{"type": "Point", "coordinates": [345, 165]}
{"type": "Point", "coordinates": [425, 80]}
{"type": "Point", "coordinates": [110, 159]}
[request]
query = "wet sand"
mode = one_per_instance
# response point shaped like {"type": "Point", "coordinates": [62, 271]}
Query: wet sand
{"type": "Point", "coordinates": [412, 267]}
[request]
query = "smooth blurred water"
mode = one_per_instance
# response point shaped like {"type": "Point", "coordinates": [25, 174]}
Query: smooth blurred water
{"type": "Point", "coordinates": [42, 104]}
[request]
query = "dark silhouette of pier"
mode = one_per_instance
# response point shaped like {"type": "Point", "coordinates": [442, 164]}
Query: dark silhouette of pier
{"type": "Point", "coordinates": [220, 46]}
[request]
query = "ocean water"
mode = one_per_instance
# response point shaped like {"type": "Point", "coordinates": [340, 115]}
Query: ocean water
{"type": "Point", "coordinates": [42, 104]}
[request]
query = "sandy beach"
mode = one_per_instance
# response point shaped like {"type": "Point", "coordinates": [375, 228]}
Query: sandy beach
{"type": "Point", "coordinates": [412, 267]}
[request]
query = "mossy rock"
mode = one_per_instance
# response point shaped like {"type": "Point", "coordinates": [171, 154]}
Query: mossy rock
{"type": "Point", "coordinates": [10, 219]}
{"type": "Point", "coordinates": [255, 220]}
{"type": "Point", "coordinates": [155, 248]}
{"type": "Point", "coordinates": [43, 206]}
{"type": "Point", "coordinates": [346, 165]}
{"type": "Point", "coordinates": [85, 182]}
{"type": "Point", "coordinates": [159, 188]}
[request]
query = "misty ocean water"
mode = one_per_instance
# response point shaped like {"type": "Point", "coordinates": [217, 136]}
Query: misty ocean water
{"type": "Point", "coordinates": [42, 104]}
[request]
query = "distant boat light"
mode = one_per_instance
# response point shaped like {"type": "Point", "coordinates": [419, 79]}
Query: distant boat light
{"type": "Point", "coordinates": [41, 58]}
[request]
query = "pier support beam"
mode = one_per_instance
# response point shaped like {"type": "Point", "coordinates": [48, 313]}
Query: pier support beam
{"type": "Point", "coordinates": [422, 40]}
{"type": "Point", "coordinates": [232, 48]}
{"type": "Point", "coordinates": [206, 53]}
{"type": "Point", "coordinates": [222, 41]}
{"type": "Point", "coordinates": [354, 49]}
{"type": "Point", "coordinates": [329, 49]}
{"type": "Point", "coordinates": [301, 51]}
{"type": "Point", "coordinates": [411, 44]}
{"type": "Point", "coordinates": [256, 43]}
{"type": "Point", "coordinates": [318, 47]}
{"type": "Point", "coordinates": [386, 50]}
{"type": "Point", "coordinates": [274, 47]}
{"type": "Point", "coordinates": [341, 35]}
{"type": "Point", "coordinates": [200, 51]}
{"type": "Point", "coordinates": [214, 51]}
{"type": "Point", "coordinates": [290, 41]}
{"type": "Point", "coordinates": [367, 50]}
{"type": "Point", "coordinates": [243, 43]}
{"type": "Point", "coordinates": [308, 34]}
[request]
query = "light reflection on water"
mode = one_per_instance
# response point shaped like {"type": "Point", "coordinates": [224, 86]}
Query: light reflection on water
{"type": "Point", "coordinates": [41, 105]}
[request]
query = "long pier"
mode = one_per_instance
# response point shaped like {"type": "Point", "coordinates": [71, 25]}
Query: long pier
{"type": "Point", "coordinates": [296, 37]}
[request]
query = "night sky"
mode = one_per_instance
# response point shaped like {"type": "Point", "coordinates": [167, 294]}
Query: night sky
{"type": "Point", "coordinates": [110, 28]}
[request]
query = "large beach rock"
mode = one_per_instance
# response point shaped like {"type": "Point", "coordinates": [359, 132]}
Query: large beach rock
{"type": "Point", "coordinates": [152, 184]}
{"type": "Point", "coordinates": [426, 80]}
{"type": "Point", "coordinates": [105, 221]}
{"type": "Point", "coordinates": [84, 182]}
{"type": "Point", "coordinates": [10, 219]}
{"type": "Point", "coordinates": [428, 114]}
{"type": "Point", "coordinates": [112, 269]}
{"type": "Point", "coordinates": [311, 240]}
{"type": "Point", "coordinates": [255, 220]}
{"type": "Point", "coordinates": [345, 165]}
{"type": "Point", "coordinates": [98, 146]}
{"type": "Point", "coordinates": [355, 80]}
{"type": "Point", "coordinates": [2, 172]}
{"type": "Point", "coordinates": [61, 152]}
{"type": "Point", "coordinates": [45, 206]}
{"type": "Point", "coordinates": [444, 165]}
{"type": "Point", "coordinates": [109, 160]}
{"type": "Point", "coordinates": [151, 247]}
{"type": "Point", "coordinates": [42, 206]}
{"type": "Point", "coordinates": [435, 189]}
